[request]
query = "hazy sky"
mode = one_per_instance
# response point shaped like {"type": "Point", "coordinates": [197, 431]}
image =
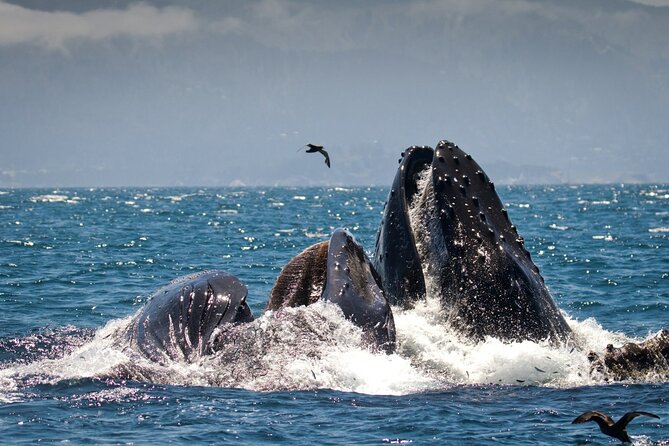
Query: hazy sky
{"type": "Point", "coordinates": [163, 93]}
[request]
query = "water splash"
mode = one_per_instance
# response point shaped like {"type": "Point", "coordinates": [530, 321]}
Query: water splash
{"type": "Point", "coordinates": [438, 351]}
{"type": "Point", "coordinates": [316, 347]}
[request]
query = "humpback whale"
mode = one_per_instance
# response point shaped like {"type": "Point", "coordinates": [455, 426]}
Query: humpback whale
{"type": "Point", "coordinates": [460, 245]}
{"type": "Point", "coordinates": [633, 360]}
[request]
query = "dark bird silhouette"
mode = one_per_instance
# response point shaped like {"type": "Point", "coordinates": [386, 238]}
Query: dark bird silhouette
{"type": "Point", "coordinates": [313, 148]}
{"type": "Point", "coordinates": [609, 427]}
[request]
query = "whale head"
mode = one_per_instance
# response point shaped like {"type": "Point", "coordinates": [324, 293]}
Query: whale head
{"type": "Point", "coordinates": [445, 233]}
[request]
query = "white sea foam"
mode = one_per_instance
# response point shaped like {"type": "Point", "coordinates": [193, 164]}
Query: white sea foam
{"type": "Point", "coordinates": [54, 198]}
{"type": "Point", "coordinates": [90, 360]}
{"type": "Point", "coordinates": [315, 347]}
{"type": "Point", "coordinates": [436, 350]}
{"type": "Point", "coordinates": [177, 198]}
{"type": "Point", "coordinates": [317, 234]}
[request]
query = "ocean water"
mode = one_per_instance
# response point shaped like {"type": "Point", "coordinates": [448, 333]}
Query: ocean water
{"type": "Point", "coordinates": [76, 264]}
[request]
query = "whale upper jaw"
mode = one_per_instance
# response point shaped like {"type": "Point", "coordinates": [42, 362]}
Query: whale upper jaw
{"type": "Point", "coordinates": [396, 258]}
{"type": "Point", "coordinates": [459, 244]}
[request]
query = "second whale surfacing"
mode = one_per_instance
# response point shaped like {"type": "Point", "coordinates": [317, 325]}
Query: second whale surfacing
{"type": "Point", "coordinates": [338, 271]}
{"type": "Point", "coordinates": [445, 232]}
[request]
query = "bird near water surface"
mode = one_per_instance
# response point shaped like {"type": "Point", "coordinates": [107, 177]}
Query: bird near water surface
{"type": "Point", "coordinates": [313, 148]}
{"type": "Point", "coordinates": [609, 427]}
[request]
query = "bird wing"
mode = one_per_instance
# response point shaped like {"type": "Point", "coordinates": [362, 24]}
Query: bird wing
{"type": "Point", "coordinates": [311, 148]}
{"type": "Point", "coordinates": [629, 416]}
{"type": "Point", "coordinates": [592, 416]}
{"type": "Point", "coordinates": [327, 157]}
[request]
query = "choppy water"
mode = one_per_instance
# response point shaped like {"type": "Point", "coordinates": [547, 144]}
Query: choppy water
{"type": "Point", "coordinates": [76, 263]}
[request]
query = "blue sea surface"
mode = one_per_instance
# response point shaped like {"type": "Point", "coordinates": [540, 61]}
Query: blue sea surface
{"type": "Point", "coordinates": [76, 263]}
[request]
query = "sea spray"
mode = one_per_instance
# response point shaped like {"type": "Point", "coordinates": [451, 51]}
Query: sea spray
{"type": "Point", "coordinates": [315, 347]}
{"type": "Point", "coordinates": [311, 347]}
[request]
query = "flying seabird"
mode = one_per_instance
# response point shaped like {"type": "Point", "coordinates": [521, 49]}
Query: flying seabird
{"type": "Point", "coordinates": [318, 148]}
{"type": "Point", "coordinates": [608, 426]}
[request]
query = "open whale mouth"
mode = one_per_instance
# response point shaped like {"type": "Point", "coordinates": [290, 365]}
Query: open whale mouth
{"type": "Point", "coordinates": [446, 233]}
{"type": "Point", "coordinates": [414, 164]}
